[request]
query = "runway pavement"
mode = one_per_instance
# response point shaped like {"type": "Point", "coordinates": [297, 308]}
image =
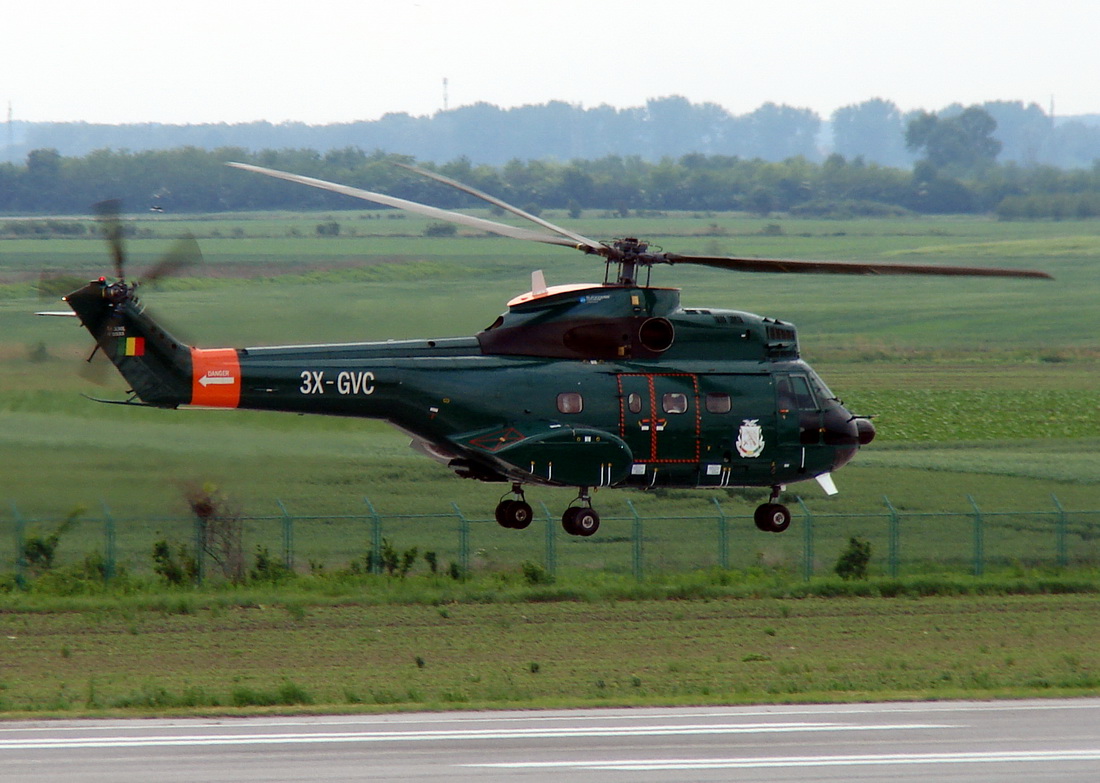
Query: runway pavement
{"type": "Point", "coordinates": [941, 741]}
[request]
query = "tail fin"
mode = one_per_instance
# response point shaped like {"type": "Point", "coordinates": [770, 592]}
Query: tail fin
{"type": "Point", "coordinates": [157, 366]}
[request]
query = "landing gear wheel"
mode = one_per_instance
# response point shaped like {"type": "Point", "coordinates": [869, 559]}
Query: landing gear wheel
{"type": "Point", "coordinates": [567, 520]}
{"type": "Point", "coordinates": [578, 521]}
{"type": "Point", "coordinates": [772, 517]}
{"type": "Point", "coordinates": [513, 514]}
{"type": "Point", "coordinates": [586, 521]}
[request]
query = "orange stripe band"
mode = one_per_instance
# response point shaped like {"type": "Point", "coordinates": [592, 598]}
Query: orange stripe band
{"type": "Point", "coordinates": [215, 377]}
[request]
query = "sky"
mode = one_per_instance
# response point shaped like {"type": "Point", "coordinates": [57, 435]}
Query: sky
{"type": "Point", "coordinates": [329, 61]}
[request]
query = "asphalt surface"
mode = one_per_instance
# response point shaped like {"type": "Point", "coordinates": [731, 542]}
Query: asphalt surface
{"type": "Point", "coordinates": [1056, 740]}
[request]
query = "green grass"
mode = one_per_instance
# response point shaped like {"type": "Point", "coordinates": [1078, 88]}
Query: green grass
{"type": "Point", "coordinates": [988, 386]}
{"type": "Point", "coordinates": [354, 657]}
{"type": "Point", "coordinates": [983, 391]}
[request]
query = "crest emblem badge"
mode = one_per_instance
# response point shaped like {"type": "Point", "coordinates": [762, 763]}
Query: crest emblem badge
{"type": "Point", "coordinates": [750, 438]}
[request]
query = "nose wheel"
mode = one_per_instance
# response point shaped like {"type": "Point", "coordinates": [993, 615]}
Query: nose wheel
{"type": "Point", "coordinates": [514, 513]}
{"type": "Point", "coordinates": [772, 517]}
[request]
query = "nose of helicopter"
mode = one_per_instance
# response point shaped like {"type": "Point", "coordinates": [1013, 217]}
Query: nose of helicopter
{"type": "Point", "coordinates": [846, 433]}
{"type": "Point", "coordinates": [865, 430]}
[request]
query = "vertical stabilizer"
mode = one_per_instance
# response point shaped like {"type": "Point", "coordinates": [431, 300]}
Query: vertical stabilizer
{"type": "Point", "coordinates": [155, 364]}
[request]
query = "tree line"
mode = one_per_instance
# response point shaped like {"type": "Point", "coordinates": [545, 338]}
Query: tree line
{"type": "Point", "coordinates": [956, 173]}
{"type": "Point", "coordinates": [672, 126]}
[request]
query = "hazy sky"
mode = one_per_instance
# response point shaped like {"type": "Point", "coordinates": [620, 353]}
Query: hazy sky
{"type": "Point", "coordinates": [196, 61]}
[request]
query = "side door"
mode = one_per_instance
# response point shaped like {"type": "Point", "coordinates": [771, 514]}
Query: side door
{"type": "Point", "coordinates": [659, 417]}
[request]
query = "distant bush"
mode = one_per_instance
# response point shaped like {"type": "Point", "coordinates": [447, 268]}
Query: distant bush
{"type": "Point", "coordinates": [844, 209]}
{"type": "Point", "coordinates": [440, 230]}
{"type": "Point", "coordinates": [44, 228]}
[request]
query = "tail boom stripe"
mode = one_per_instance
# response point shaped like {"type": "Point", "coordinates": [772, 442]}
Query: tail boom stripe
{"type": "Point", "coordinates": [215, 377]}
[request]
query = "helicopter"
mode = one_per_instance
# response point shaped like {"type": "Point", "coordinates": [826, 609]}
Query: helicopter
{"type": "Point", "coordinates": [610, 384]}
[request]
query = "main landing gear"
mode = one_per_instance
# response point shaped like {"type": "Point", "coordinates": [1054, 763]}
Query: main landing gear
{"type": "Point", "coordinates": [515, 513]}
{"type": "Point", "coordinates": [772, 517]}
{"type": "Point", "coordinates": [581, 520]}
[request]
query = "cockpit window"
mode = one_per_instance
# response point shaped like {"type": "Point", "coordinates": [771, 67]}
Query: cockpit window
{"type": "Point", "coordinates": [784, 397]}
{"type": "Point", "coordinates": [802, 394]}
{"type": "Point", "coordinates": [794, 393]}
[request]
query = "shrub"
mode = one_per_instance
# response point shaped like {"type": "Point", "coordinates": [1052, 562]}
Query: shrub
{"type": "Point", "coordinates": [177, 568]}
{"type": "Point", "coordinates": [535, 574]}
{"type": "Point", "coordinates": [267, 568]}
{"type": "Point", "coordinates": [853, 561]}
{"type": "Point", "coordinates": [440, 230]}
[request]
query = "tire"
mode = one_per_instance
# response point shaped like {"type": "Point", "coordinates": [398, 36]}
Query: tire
{"type": "Point", "coordinates": [586, 522]}
{"type": "Point", "coordinates": [504, 513]}
{"type": "Point", "coordinates": [567, 520]}
{"type": "Point", "coordinates": [513, 514]}
{"type": "Point", "coordinates": [520, 515]}
{"type": "Point", "coordinates": [772, 517]}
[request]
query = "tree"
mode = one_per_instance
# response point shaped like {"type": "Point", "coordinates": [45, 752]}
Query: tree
{"type": "Point", "coordinates": [964, 142]}
{"type": "Point", "coordinates": [780, 132]}
{"type": "Point", "coordinates": [873, 130]}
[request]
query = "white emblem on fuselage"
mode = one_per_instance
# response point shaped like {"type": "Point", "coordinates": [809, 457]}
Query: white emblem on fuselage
{"type": "Point", "coordinates": [750, 438]}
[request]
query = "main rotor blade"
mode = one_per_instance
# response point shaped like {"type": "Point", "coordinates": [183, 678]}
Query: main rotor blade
{"type": "Point", "coordinates": [109, 212]}
{"type": "Point", "coordinates": [846, 267]}
{"type": "Point", "coordinates": [577, 238]}
{"type": "Point", "coordinates": [415, 207]}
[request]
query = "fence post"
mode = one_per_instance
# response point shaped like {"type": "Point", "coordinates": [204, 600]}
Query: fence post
{"type": "Point", "coordinates": [109, 544]}
{"type": "Point", "coordinates": [551, 541]}
{"type": "Point", "coordinates": [288, 537]}
{"type": "Point", "coordinates": [723, 537]}
{"type": "Point", "coordinates": [636, 538]}
{"type": "Point", "coordinates": [979, 539]}
{"type": "Point", "coordinates": [375, 539]}
{"type": "Point", "coordinates": [894, 538]}
{"type": "Point", "coordinates": [20, 551]}
{"type": "Point", "coordinates": [200, 550]}
{"type": "Point", "coordinates": [1060, 534]}
{"type": "Point", "coordinates": [807, 542]}
{"type": "Point", "coordinates": [463, 539]}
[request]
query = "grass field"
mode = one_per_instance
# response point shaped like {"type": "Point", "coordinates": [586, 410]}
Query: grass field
{"type": "Point", "coordinates": [356, 657]}
{"type": "Point", "coordinates": [980, 388]}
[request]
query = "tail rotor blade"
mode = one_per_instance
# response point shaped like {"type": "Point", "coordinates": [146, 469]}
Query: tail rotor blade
{"type": "Point", "coordinates": [96, 368]}
{"type": "Point", "coordinates": [109, 212]}
{"type": "Point", "coordinates": [185, 253]}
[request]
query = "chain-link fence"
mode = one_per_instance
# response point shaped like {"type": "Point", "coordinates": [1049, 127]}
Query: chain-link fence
{"type": "Point", "coordinates": [238, 547]}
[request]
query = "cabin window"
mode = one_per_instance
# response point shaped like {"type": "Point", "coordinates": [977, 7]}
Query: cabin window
{"type": "Point", "coordinates": [674, 402]}
{"type": "Point", "coordinates": [634, 402]}
{"type": "Point", "coordinates": [570, 402]}
{"type": "Point", "coordinates": [718, 402]}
